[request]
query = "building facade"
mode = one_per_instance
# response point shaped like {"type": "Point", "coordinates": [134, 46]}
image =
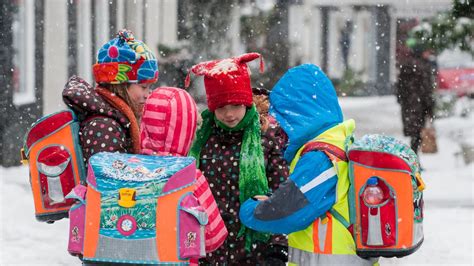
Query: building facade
{"type": "Point", "coordinates": [46, 41]}
{"type": "Point", "coordinates": [361, 35]}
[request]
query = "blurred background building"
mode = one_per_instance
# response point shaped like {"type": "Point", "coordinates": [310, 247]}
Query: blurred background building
{"type": "Point", "coordinates": [359, 38]}
{"type": "Point", "coordinates": [44, 42]}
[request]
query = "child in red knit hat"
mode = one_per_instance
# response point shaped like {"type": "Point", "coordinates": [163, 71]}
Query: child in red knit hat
{"type": "Point", "coordinates": [238, 158]}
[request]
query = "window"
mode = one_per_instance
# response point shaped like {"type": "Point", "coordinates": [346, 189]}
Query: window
{"type": "Point", "coordinates": [23, 28]}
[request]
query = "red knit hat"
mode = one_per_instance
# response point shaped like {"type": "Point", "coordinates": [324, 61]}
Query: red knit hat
{"type": "Point", "coordinates": [227, 81]}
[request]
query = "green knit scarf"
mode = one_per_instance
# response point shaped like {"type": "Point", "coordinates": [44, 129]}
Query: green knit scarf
{"type": "Point", "coordinates": [252, 177]}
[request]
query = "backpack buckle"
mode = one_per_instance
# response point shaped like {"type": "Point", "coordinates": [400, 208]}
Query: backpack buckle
{"type": "Point", "coordinates": [24, 159]}
{"type": "Point", "coordinates": [419, 182]}
{"type": "Point", "coordinates": [127, 197]}
{"type": "Point", "coordinates": [324, 219]}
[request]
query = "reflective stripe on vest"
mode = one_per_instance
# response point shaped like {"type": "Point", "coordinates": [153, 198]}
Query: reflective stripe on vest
{"type": "Point", "coordinates": [328, 235]}
{"type": "Point", "coordinates": [322, 236]}
{"type": "Point", "coordinates": [303, 258]}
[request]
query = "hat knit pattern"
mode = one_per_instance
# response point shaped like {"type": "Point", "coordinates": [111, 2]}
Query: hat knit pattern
{"type": "Point", "coordinates": [125, 60]}
{"type": "Point", "coordinates": [227, 81]}
{"type": "Point", "coordinates": [252, 176]}
{"type": "Point", "coordinates": [168, 123]}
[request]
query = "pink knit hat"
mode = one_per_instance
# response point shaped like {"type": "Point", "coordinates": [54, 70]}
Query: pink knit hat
{"type": "Point", "coordinates": [168, 123]}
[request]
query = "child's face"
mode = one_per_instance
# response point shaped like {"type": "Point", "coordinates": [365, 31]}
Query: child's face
{"type": "Point", "coordinates": [230, 114]}
{"type": "Point", "coordinates": [138, 93]}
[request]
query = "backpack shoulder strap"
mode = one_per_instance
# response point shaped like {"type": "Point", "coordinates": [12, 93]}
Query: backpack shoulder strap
{"type": "Point", "coordinates": [332, 151]}
{"type": "Point", "coordinates": [335, 154]}
{"type": "Point", "coordinates": [339, 217]}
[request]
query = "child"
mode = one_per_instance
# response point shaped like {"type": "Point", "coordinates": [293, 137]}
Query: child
{"type": "Point", "coordinates": [238, 160]}
{"type": "Point", "coordinates": [168, 128]}
{"type": "Point", "coordinates": [110, 113]}
{"type": "Point", "coordinates": [313, 199]}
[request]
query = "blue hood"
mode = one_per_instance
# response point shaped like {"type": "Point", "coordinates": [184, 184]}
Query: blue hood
{"type": "Point", "coordinates": [304, 102]}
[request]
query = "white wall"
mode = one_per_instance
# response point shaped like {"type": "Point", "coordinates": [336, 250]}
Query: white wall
{"type": "Point", "coordinates": [134, 17]}
{"type": "Point", "coordinates": [360, 48]}
{"type": "Point", "coordinates": [168, 22]}
{"type": "Point", "coordinates": [24, 56]}
{"type": "Point", "coordinates": [427, 4]}
{"type": "Point", "coordinates": [84, 45]}
{"type": "Point", "coordinates": [296, 26]}
{"type": "Point", "coordinates": [314, 47]}
{"type": "Point", "coordinates": [152, 21]}
{"type": "Point", "coordinates": [101, 22]}
{"type": "Point", "coordinates": [161, 18]}
{"type": "Point", "coordinates": [393, 46]}
{"type": "Point", "coordinates": [337, 20]}
{"type": "Point", "coordinates": [233, 33]}
{"type": "Point", "coordinates": [120, 23]}
{"type": "Point", "coordinates": [55, 54]}
{"type": "Point", "coordinates": [305, 32]}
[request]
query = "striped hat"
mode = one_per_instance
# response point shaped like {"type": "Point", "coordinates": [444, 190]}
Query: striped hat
{"type": "Point", "coordinates": [168, 123]}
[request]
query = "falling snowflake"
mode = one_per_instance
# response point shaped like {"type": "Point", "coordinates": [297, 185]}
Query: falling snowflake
{"type": "Point", "coordinates": [223, 67]}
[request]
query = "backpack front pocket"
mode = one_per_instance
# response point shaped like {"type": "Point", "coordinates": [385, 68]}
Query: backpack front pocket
{"type": "Point", "coordinates": [56, 176]}
{"type": "Point", "coordinates": [378, 222]}
{"type": "Point", "coordinates": [77, 216]}
{"type": "Point", "coordinates": [191, 223]}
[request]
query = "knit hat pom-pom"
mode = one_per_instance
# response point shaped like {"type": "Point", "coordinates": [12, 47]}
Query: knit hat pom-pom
{"type": "Point", "coordinates": [126, 35]}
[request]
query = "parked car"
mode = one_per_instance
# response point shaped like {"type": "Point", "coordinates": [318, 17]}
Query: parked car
{"type": "Point", "coordinates": [456, 73]}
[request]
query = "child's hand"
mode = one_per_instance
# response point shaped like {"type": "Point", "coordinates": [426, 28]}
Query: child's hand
{"type": "Point", "coordinates": [260, 197]}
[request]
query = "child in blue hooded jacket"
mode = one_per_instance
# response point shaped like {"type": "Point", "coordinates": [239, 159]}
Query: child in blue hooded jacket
{"type": "Point", "coordinates": [312, 205]}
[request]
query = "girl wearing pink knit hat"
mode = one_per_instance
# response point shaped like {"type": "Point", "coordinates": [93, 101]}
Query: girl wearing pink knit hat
{"type": "Point", "coordinates": [168, 128]}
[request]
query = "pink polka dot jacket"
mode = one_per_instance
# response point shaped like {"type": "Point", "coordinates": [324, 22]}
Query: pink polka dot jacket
{"type": "Point", "coordinates": [103, 126]}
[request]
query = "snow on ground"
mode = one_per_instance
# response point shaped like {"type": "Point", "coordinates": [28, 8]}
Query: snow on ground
{"type": "Point", "coordinates": [449, 205]}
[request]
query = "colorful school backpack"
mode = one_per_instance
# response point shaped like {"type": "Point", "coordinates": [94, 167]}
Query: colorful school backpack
{"type": "Point", "coordinates": [54, 156]}
{"type": "Point", "coordinates": [137, 209]}
{"type": "Point", "coordinates": [385, 196]}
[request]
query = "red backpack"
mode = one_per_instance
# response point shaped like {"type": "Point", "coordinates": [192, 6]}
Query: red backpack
{"type": "Point", "coordinates": [54, 156]}
{"type": "Point", "coordinates": [393, 225]}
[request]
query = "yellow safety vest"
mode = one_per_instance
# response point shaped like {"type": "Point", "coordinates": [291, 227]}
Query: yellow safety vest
{"type": "Point", "coordinates": [327, 240]}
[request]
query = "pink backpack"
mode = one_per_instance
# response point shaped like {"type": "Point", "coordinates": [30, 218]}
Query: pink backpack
{"type": "Point", "coordinates": [142, 205]}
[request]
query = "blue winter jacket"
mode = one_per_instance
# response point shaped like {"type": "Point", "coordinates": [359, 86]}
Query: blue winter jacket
{"type": "Point", "coordinates": [305, 105]}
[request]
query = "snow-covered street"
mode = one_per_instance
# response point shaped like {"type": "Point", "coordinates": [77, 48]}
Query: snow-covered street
{"type": "Point", "coordinates": [449, 204]}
